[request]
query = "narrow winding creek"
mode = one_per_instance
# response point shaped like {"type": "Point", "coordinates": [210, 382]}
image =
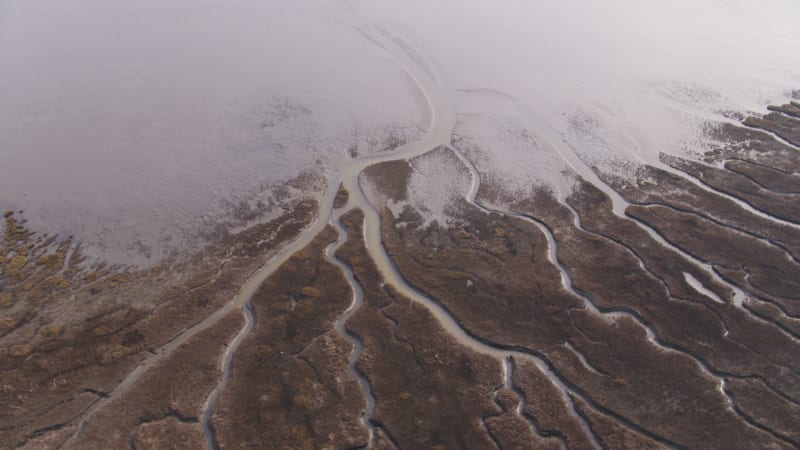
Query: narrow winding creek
{"type": "Point", "coordinates": [341, 323]}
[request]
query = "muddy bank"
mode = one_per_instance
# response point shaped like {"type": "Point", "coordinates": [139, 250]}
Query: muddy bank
{"type": "Point", "coordinates": [632, 333]}
{"type": "Point", "coordinates": [72, 332]}
{"type": "Point", "coordinates": [429, 390]}
{"type": "Point", "coordinates": [290, 385]}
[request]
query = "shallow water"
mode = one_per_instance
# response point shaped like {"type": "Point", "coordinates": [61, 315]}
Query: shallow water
{"type": "Point", "coordinates": [134, 125]}
{"type": "Point", "coordinates": [130, 123]}
{"type": "Point", "coordinates": [619, 81]}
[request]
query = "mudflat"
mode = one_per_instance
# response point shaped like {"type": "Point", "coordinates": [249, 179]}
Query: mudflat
{"type": "Point", "coordinates": [526, 322]}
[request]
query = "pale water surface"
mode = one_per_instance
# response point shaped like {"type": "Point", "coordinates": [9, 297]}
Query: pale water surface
{"type": "Point", "coordinates": [131, 124]}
